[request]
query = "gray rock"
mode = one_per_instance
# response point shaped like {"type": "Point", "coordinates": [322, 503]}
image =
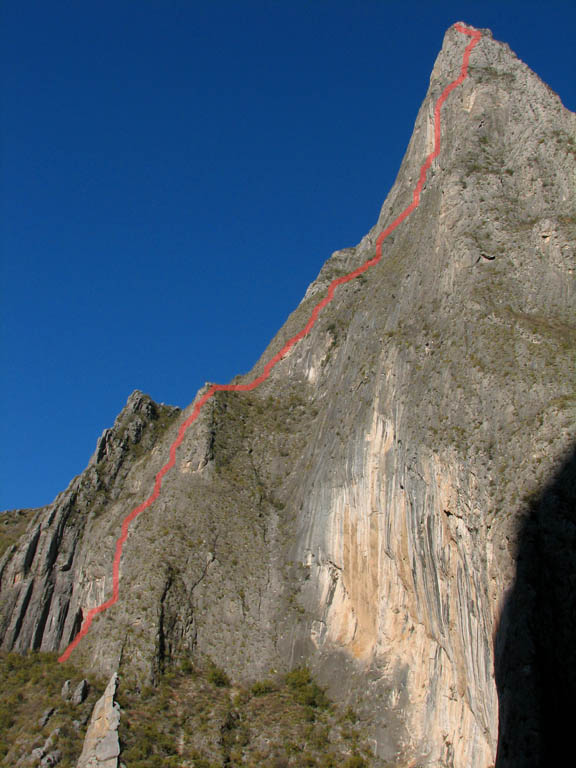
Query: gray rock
{"type": "Point", "coordinates": [80, 692]}
{"type": "Point", "coordinates": [66, 692]}
{"type": "Point", "coordinates": [52, 758]}
{"type": "Point", "coordinates": [108, 747]}
{"type": "Point", "coordinates": [101, 745]}
{"type": "Point", "coordinates": [44, 753]}
{"type": "Point", "coordinates": [45, 717]}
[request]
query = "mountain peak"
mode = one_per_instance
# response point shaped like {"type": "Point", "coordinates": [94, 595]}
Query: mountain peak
{"type": "Point", "coordinates": [368, 508]}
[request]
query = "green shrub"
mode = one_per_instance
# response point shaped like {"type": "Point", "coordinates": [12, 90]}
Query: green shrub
{"type": "Point", "coordinates": [262, 687]}
{"type": "Point", "coordinates": [198, 761]}
{"type": "Point", "coordinates": [305, 690]}
{"type": "Point", "coordinates": [355, 762]}
{"type": "Point", "coordinates": [186, 667]}
{"type": "Point", "coordinates": [218, 677]}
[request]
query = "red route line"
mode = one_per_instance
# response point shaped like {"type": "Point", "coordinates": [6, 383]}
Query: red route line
{"type": "Point", "coordinates": [475, 35]}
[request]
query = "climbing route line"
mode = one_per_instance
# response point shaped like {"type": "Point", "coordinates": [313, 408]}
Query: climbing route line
{"type": "Point", "coordinates": [475, 36]}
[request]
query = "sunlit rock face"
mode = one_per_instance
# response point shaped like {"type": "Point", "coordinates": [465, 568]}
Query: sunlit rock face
{"type": "Point", "coordinates": [359, 511]}
{"type": "Point", "coordinates": [101, 745]}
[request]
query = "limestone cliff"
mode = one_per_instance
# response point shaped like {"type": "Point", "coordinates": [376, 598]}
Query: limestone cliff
{"type": "Point", "coordinates": [360, 510]}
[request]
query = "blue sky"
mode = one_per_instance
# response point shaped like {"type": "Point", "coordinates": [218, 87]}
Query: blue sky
{"type": "Point", "coordinates": [175, 173]}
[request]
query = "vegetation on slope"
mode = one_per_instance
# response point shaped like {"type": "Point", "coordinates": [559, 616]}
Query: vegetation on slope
{"type": "Point", "coordinates": [199, 720]}
{"type": "Point", "coordinates": [31, 688]}
{"type": "Point", "coordinates": [192, 719]}
{"type": "Point", "coordinates": [12, 525]}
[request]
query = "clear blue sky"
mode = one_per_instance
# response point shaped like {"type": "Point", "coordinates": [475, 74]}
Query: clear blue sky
{"type": "Point", "coordinates": [174, 174]}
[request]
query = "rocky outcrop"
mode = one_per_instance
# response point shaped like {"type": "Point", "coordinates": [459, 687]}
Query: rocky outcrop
{"type": "Point", "coordinates": [101, 745]}
{"type": "Point", "coordinates": [80, 693]}
{"type": "Point", "coordinates": [361, 511]}
{"type": "Point", "coordinates": [40, 573]}
{"type": "Point", "coordinates": [76, 696]}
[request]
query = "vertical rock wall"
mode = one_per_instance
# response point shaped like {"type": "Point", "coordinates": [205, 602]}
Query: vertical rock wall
{"type": "Point", "coordinates": [360, 510]}
{"type": "Point", "coordinates": [101, 746]}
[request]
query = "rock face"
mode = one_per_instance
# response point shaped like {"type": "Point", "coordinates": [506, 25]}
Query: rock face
{"type": "Point", "coordinates": [80, 693]}
{"type": "Point", "coordinates": [101, 746]}
{"type": "Point", "coordinates": [361, 511]}
{"type": "Point", "coordinates": [45, 755]}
